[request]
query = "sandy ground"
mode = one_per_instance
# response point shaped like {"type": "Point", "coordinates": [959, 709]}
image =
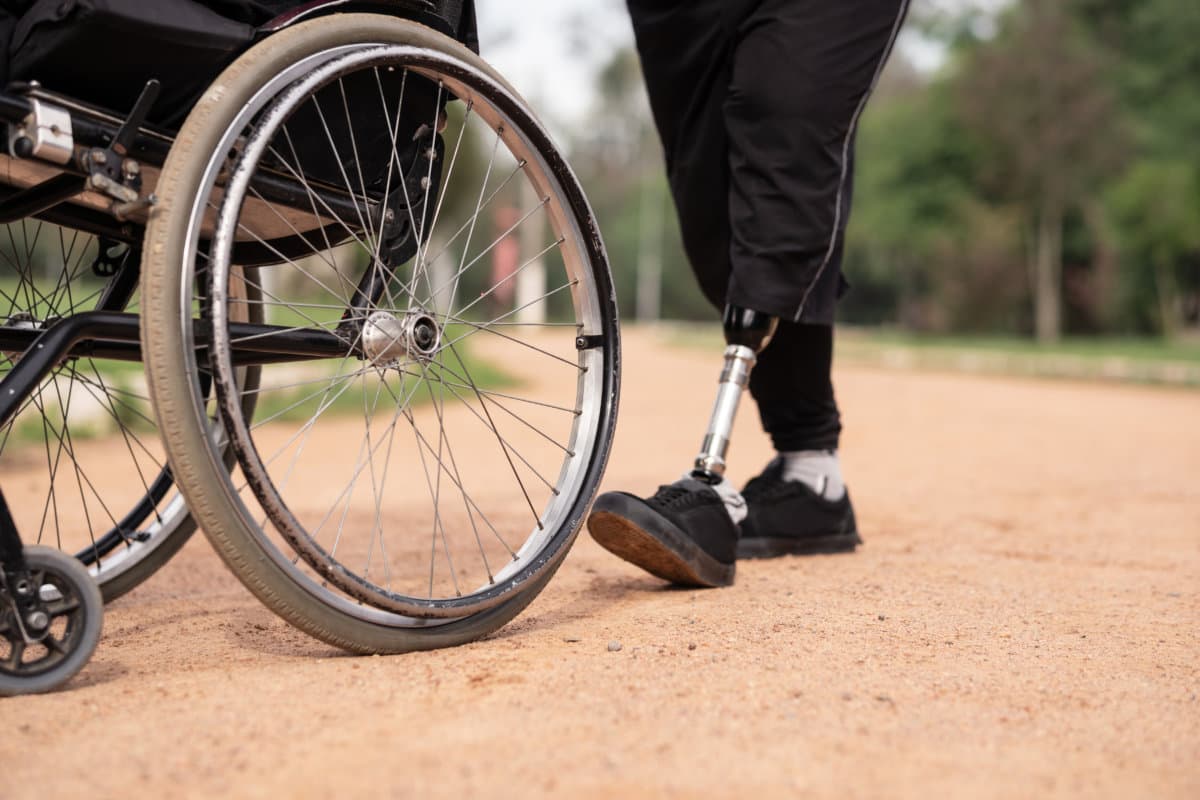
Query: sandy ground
{"type": "Point", "coordinates": [1022, 621]}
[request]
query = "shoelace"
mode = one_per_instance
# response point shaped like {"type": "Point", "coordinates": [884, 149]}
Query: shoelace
{"type": "Point", "coordinates": [671, 496]}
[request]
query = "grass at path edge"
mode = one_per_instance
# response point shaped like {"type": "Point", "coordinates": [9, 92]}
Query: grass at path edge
{"type": "Point", "coordinates": [1106, 359]}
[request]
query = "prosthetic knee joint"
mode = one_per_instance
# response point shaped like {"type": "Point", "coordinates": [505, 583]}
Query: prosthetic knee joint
{"type": "Point", "coordinates": [747, 332]}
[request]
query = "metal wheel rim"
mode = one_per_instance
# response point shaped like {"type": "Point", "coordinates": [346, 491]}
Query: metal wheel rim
{"type": "Point", "coordinates": [403, 611]}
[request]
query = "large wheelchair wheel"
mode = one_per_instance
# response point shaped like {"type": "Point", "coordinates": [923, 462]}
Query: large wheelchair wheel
{"type": "Point", "coordinates": [85, 449]}
{"type": "Point", "coordinates": [416, 478]}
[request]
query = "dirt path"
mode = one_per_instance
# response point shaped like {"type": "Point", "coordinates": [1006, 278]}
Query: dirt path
{"type": "Point", "coordinates": [1022, 621]}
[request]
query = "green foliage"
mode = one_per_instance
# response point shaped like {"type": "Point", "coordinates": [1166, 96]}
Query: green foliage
{"type": "Point", "coordinates": [1154, 207]}
{"type": "Point", "coordinates": [1055, 155]}
{"type": "Point", "coordinates": [921, 243]}
{"type": "Point", "coordinates": [1093, 105]}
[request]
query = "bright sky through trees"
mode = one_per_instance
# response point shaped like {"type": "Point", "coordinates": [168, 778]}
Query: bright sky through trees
{"type": "Point", "coordinates": [549, 49]}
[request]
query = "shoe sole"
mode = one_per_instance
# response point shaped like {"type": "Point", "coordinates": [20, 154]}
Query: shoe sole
{"type": "Point", "coordinates": [776, 546]}
{"type": "Point", "coordinates": [659, 548]}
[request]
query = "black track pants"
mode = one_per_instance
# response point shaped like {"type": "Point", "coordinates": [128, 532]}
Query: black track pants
{"type": "Point", "coordinates": [757, 103]}
{"type": "Point", "coordinates": [792, 387]}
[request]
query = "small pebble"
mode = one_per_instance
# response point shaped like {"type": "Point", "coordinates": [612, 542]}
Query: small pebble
{"type": "Point", "coordinates": [571, 639]}
{"type": "Point", "coordinates": [882, 617]}
{"type": "Point", "coordinates": [614, 646]}
{"type": "Point", "coordinates": [692, 646]}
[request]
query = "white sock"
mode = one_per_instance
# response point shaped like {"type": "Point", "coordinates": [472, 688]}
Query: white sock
{"type": "Point", "coordinates": [820, 469]}
{"type": "Point", "coordinates": [735, 504]}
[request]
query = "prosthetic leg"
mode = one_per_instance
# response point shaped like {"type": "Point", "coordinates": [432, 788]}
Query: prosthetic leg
{"type": "Point", "coordinates": [747, 333]}
{"type": "Point", "coordinates": [685, 533]}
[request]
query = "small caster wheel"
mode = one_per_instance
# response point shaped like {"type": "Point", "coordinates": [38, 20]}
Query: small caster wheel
{"type": "Point", "coordinates": [64, 632]}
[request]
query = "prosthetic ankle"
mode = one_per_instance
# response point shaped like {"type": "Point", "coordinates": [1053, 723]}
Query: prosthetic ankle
{"type": "Point", "coordinates": [747, 332]}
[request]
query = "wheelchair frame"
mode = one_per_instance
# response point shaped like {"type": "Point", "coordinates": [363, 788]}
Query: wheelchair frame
{"type": "Point", "coordinates": [84, 168]}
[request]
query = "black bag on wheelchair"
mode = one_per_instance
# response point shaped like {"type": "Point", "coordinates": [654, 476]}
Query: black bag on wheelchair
{"type": "Point", "coordinates": [104, 51]}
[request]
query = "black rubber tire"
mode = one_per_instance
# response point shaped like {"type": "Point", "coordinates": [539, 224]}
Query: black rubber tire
{"type": "Point", "coordinates": [206, 489]}
{"type": "Point", "coordinates": [39, 557]}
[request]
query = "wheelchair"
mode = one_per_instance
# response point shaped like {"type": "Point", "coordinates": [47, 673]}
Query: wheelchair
{"type": "Point", "coordinates": [349, 313]}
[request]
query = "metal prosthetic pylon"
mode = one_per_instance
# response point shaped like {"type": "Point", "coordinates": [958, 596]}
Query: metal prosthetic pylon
{"type": "Point", "coordinates": [747, 332]}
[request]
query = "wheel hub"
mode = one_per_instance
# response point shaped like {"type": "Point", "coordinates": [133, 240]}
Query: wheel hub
{"type": "Point", "coordinates": [388, 338]}
{"type": "Point", "coordinates": [23, 320]}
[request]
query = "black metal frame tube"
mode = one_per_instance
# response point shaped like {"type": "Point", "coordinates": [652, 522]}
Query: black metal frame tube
{"type": "Point", "coordinates": [111, 335]}
{"type": "Point", "coordinates": [49, 348]}
{"type": "Point", "coordinates": [11, 550]}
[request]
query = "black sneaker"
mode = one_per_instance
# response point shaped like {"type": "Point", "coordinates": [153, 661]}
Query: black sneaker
{"type": "Point", "coordinates": [682, 534]}
{"type": "Point", "coordinates": [789, 518]}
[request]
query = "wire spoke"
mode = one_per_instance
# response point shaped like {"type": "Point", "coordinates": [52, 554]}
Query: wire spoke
{"type": "Point", "coordinates": [489, 249]}
{"type": "Point", "coordinates": [490, 424]}
{"type": "Point", "coordinates": [475, 505]}
{"type": "Point", "coordinates": [443, 434]}
{"type": "Point", "coordinates": [483, 326]}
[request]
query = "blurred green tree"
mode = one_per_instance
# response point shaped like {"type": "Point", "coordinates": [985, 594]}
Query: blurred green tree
{"type": "Point", "coordinates": [1154, 64]}
{"type": "Point", "coordinates": [1049, 130]}
{"type": "Point", "coordinates": [923, 248]}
